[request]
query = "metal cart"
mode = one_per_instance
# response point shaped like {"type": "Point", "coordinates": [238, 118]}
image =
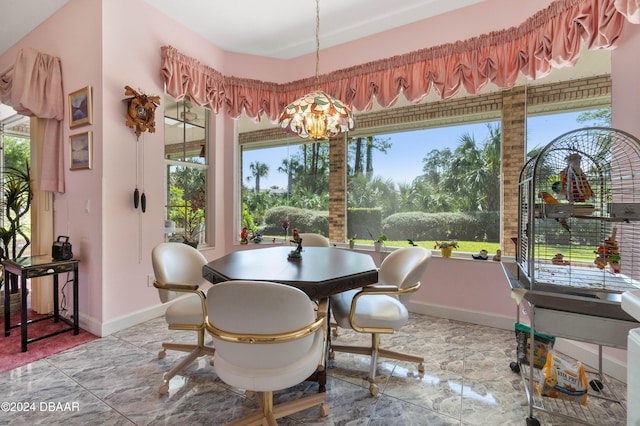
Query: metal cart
{"type": "Point", "coordinates": [577, 250]}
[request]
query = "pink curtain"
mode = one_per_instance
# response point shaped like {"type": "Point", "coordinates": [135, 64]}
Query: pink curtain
{"type": "Point", "coordinates": [551, 38]}
{"type": "Point", "coordinates": [34, 88]}
{"type": "Point", "coordinates": [630, 9]}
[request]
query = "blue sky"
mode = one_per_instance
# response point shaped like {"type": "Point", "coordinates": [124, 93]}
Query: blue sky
{"type": "Point", "coordinates": [404, 159]}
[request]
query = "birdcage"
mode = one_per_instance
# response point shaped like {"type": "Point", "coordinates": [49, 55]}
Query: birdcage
{"type": "Point", "coordinates": [579, 212]}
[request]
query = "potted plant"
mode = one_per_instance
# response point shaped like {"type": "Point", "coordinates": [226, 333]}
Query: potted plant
{"type": "Point", "coordinates": [352, 241]}
{"type": "Point", "coordinates": [193, 227]}
{"type": "Point", "coordinates": [256, 237]}
{"type": "Point", "coordinates": [16, 204]}
{"type": "Point", "coordinates": [377, 243]}
{"type": "Point", "coordinates": [446, 247]}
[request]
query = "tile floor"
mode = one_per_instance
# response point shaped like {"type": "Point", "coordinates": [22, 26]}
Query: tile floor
{"type": "Point", "coordinates": [115, 380]}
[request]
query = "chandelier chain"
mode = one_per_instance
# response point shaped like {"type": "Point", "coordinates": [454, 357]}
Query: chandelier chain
{"type": "Point", "coordinates": [318, 44]}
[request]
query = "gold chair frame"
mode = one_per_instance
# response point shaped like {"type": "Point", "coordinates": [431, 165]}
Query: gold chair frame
{"type": "Point", "coordinates": [374, 350]}
{"type": "Point", "coordinates": [271, 412]}
{"type": "Point", "coordinates": [195, 351]}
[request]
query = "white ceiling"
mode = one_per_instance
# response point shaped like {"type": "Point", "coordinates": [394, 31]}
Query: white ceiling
{"type": "Point", "coordinates": [273, 28]}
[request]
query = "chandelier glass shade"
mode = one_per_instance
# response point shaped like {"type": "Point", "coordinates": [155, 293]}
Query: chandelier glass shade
{"type": "Point", "coordinates": [317, 115]}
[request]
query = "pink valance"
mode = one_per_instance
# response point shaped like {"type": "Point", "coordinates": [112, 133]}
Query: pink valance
{"type": "Point", "coordinates": [33, 87]}
{"type": "Point", "coordinates": [551, 38]}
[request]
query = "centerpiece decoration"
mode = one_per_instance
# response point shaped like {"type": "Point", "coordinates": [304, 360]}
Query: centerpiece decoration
{"type": "Point", "coordinates": [446, 247]}
{"type": "Point", "coordinates": [297, 252]}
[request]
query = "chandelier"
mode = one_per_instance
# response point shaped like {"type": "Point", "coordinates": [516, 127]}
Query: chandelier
{"type": "Point", "coordinates": [317, 115]}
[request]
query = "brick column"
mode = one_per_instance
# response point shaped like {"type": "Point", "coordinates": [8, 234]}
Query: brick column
{"type": "Point", "coordinates": [338, 189]}
{"type": "Point", "coordinates": [513, 157]}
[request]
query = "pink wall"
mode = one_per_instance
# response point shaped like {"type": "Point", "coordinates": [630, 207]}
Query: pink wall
{"type": "Point", "coordinates": [99, 46]}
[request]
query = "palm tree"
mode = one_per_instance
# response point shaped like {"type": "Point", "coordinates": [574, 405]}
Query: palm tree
{"type": "Point", "coordinates": [258, 170]}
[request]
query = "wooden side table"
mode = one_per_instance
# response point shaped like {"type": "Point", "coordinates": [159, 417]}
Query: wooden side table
{"type": "Point", "coordinates": [32, 267]}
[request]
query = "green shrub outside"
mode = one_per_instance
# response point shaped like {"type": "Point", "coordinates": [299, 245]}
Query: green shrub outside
{"type": "Point", "coordinates": [419, 226]}
{"type": "Point", "coordinates": [362, 221]}
{"type": "Point", "coordinates": [301, 219]}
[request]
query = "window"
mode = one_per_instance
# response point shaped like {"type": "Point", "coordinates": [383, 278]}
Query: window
{"type": "Point", "coordinates": [285, 182]}
{"type": "Point", "coordinates": [186, 135]}
{"type": "Point", "coordinates": [424, 173]}
{"type": "Point", "coordinates": [15, 217]}
{"type": "Point", "coordinates": [438, 184]}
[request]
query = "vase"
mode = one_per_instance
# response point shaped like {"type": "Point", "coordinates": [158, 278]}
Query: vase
{"type": "Point", "coordinates": [193, 244]}
{"type": "Point", "coordinates": [377, 246]}
{"type": "Point", "coordinates": [352, 244]}
{"type": "Point", "coordinates": [446, 251]}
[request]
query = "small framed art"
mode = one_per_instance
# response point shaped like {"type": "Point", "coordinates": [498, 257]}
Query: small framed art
{"type": "Point", "coordinates": [81, 151]}
{"type": "Point", "coordinates": [80, 112]}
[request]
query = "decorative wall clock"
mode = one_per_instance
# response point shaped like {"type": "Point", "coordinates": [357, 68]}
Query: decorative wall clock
{"type": "Point", "coordinates": [141, 111]}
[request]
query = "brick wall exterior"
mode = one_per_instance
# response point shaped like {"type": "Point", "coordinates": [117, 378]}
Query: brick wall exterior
{"type": "Point", "coordinates": [338, 189]}
{"type": "Point", "coordinates": [513, 158]}
{"type": "Point", "coordinates": [510, 106]}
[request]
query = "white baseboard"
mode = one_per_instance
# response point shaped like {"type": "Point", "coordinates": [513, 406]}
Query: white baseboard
{"type": "Point", "coordinates": [474, 317]}
{"type": "Point", "coordinates": [587, 354]}
{"type": "Point", "coordinates": [123, 322]}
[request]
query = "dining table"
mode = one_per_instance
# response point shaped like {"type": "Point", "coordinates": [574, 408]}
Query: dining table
{"type": "Point", "coordinates": [319, 272]}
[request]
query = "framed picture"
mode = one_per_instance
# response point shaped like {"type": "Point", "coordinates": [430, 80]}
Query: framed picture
{"type": "Point", "coordinates": [81, 151]}
{"type": "Point", "coordinates": [80, 113]}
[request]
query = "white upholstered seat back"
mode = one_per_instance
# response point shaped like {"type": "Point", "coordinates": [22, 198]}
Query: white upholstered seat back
{"type": "Point", "coordinates": [177, 263]}
{"type": "Point", "coordinates": [314, 240]}
{"type": "Point", "coordinates": [404, 267]}
{"type": "Point", "coordinates": [253, 307]}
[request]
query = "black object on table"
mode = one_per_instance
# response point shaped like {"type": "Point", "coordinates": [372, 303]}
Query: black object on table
{"type": "Point", "coordinates": [33, 267]}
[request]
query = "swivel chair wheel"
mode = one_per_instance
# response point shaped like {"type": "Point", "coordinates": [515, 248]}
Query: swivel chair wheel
{"type": "Point", "coordinates": [421, 368]}
{"type": "Point", "coordinates": [162, 354]}
{"type": "Point", "coordinates": [515, 367]}
{"type": "Point", "coordinates": [373, 388]}
{"type": "Point", "coordinates": [532, 421]}
{"type": "Point", "coordinates": [164, 388]}
{"type": "Point", "coordinates": [332, 354]}
{"type": "Point", "coordinates": [324, 410]}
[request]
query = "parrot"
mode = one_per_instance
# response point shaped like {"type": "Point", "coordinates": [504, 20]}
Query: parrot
{"type": "Point", "coordinates": [550, 199]}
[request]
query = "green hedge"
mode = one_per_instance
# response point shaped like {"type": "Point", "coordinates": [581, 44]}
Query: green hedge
{"type": "Point", "coordinates": [362, 221]}
{"type": "Point", "coordinates": [420, 226]}
{"type": "Point", "coordinates": [300, 219]}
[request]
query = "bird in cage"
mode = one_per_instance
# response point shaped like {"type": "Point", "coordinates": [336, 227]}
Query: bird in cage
{"type": "Point", "coordinates": [573, 181]}
{"type": "Point", "coordinates": [550, 199]}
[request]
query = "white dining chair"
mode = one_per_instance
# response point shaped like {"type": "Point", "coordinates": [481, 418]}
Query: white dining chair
{"type": "Point", "coordinates": [380, 308]}
{"type": "Point", "coordinates": [268, 337]}
{"type": "Point", "coordinates": [310, 239]}
{"type": "Point", "coordinates": [178, 277]}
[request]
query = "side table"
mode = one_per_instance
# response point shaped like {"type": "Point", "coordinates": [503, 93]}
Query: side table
{"type": "Point", "coordinates": [32, 267]}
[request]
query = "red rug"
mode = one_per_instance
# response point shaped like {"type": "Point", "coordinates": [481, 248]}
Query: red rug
{"type": "Point", "coordinates": [10, 353]}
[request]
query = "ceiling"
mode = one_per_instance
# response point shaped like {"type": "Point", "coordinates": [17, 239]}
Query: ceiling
{"type": "Point", "coordinates": [276, 28]}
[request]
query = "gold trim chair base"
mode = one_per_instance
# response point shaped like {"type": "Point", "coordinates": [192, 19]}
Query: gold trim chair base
{"type": "Point", "coordinates": [374, 352]}
{"type": "Point", "coordinates": [195, 352]}
{"type": "Point", "coordinates": [270, 413]}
